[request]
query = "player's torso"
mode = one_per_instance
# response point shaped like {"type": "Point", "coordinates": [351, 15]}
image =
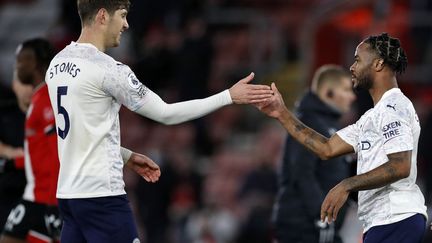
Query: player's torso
{"type": "Point", "coordinates": [87, 122]}
{"type": "Point", "coordinates": [402, 198]}
{"type": "Point", "coordinates": [41, 159]}
{"type": "Point", "coordinates": [375, 131]}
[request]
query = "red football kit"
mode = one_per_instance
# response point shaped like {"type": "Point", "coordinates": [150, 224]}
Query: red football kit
{"type": "Point", "coordinates": [40, 148]}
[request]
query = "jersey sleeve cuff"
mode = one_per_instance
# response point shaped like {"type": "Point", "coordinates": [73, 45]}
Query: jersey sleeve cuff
{"type": "Point", "coordinates": [353, 144]}
{"type": "Point", "coordinates": [126, 154]}
{"type": "Point", "coordinates": [226, 97]}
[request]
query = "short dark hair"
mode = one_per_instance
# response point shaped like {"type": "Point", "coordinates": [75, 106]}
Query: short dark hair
{"type": "Point", "coordinates": [43, 50]}
{"type": "Point", "coordinates": [390, 50]}
{"type": "Point", "coordinates": [87, 9]}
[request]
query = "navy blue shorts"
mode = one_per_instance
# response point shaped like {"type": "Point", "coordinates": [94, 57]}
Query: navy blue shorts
{"type": "Point", "coordinates": [409, 230]}
{"type": "Point", "coordinates": [97, 220]}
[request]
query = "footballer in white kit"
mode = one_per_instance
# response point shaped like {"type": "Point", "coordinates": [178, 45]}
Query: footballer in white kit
{"type": "Point", "coordinates": [385, 138]}
{"type": "Point", "coordinates": [391, 126]}
{"type": "Point", "coordinates": [87, 88]}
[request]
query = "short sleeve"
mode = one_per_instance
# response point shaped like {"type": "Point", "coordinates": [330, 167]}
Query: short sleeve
{"type": "Point", "coordinates": [350, 135]}
{"type": "Point", "coordinates": [396, 133]}
{"type": "Point", "coordinates": [124, 86]}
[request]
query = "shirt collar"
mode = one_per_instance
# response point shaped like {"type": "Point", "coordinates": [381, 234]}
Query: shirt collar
{"type": "Point", "coordinates": [84, 44]}
{"type": "Point", "coordinates": [389, 92]}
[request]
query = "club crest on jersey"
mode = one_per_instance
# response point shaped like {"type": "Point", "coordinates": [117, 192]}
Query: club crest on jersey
{"type": "Point", "coordinates": [133, 81]}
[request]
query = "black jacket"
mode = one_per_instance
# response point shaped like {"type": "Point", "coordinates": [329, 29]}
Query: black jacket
{"type": "Point", "coordinates": [304, 178]}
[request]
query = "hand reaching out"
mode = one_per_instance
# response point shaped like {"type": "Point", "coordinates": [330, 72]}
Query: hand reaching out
{"type": "Point", "coordinates": [245, 93]}
{"type": "Point", "coordinates": [274, 106]}
{"type": "Point", "coordinates": [144, 166]}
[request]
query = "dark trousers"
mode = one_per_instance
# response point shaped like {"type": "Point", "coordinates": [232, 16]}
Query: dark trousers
{"type": "Point", "coordinates": [409, 230]}
{"type": "Point", "coordinates": [97, 220]}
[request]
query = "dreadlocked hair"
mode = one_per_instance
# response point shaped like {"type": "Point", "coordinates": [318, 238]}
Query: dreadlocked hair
{"type": "Point", "coordinates": [390, 50]}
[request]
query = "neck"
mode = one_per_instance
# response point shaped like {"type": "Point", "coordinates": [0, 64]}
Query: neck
{"type": "Point", "coordinates": [92, 36]}
{"type": "Point", "coordinates": [382, 85]}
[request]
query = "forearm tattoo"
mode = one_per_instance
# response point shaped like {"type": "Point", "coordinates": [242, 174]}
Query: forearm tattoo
{"type": "Point", "coordinates": [305, 135]}
{"type": "Point", "coordinates": [396, 168]}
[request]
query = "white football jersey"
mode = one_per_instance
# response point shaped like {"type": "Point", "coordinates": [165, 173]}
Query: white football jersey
{"type": "Point", "coordinates": [87, 88]}
{"type": "Point", "coordinates": [391, 126]}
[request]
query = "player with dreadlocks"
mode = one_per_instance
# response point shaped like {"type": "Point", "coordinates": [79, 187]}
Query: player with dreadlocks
{"type": "Point", "coordinates": [385, 138]}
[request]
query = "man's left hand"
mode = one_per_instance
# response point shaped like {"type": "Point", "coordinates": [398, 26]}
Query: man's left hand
{"type": "Point", "coordinates": [144, 166]}
{"type": "Point", "coordinates": [334, 200]}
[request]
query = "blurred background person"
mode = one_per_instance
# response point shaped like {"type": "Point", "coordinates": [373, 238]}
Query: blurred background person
{"type": "Point", "coordinates": [304, 178]}
{"type": "Point", "coordinates": [36, 218]}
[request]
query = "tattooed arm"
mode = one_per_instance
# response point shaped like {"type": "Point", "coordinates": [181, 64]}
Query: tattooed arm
{"type": "Point", "coordinates": [398, 167]}
{"type": "Point", "coordinates": [323, 147]}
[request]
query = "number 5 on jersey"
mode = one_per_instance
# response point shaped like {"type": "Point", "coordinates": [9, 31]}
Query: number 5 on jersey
{"type": "Point", "coordinates": [62, 90]}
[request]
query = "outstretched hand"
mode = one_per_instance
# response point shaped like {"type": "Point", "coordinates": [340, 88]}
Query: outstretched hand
{"type": "Point", "coordinates": [245, 93]}
{"type": "Point", "coordinates": [144, 166]}
{"type": "Point", "coordinates": [274, 106]}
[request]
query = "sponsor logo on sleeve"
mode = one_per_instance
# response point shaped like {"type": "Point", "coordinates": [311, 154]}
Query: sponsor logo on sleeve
{"type": "Point", "coordinates": [392, 130]}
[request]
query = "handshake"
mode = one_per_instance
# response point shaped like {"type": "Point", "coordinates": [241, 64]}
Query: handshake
{"type": "Point", "coordinates": [266, 98]}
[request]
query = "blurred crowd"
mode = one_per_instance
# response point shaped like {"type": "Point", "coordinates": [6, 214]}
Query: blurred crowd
{"type": "Point", "coordinates": [219, 173]}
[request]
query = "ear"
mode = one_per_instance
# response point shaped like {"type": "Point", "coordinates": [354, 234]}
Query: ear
{"type": "Point", "coordinates": [325, 93]}
{"type": "Point", "coordinates": [330, 93]}
{"type": "Point", "coordinates": [379, 64]}
{"type": "Point", "coordinates": [102, 16]}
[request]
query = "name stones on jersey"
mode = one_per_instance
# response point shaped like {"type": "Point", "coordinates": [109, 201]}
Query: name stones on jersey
{"type": "Point", "coordinates": [65, 67]}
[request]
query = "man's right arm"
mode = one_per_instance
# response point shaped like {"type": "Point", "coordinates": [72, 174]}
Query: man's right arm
{"type": "Point", "coordinates": [240, 93]}
{"type": "Point", "coordinates": [130, 92]}
{"type": "Point", "coordinates": [323, 147]}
